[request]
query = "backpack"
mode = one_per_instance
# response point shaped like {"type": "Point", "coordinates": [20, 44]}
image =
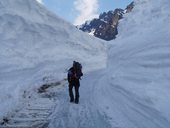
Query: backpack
{"type": "Point", "coordinates": [78, 69]}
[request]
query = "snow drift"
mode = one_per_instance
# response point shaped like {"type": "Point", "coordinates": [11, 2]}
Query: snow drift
{"type": "Point", "coordinates": [133, 91]}
{"type": "Point", "coordinates": [139, 68]}
{"type": "Point", "coordinates": [36, 44]}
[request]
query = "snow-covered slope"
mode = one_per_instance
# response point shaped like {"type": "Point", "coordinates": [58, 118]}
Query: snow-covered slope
{"type": "Point", "coordinates": [36, 44]}
{"type": "Point", "coordinates": [133, 92]}
{"type": "Point", "coordinates": [139, 68]}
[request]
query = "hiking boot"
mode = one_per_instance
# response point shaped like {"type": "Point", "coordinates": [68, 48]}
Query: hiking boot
{"type": "Point", "coordinates": [76, 101]}
{"type": "Point", "coordinates": [71, 100]}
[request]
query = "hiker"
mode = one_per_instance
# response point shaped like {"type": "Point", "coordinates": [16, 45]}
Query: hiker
{"type": "Point", "coordinates": [74, 75]}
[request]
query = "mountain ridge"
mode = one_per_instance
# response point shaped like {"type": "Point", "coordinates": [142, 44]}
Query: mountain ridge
{"type": "Point", "coordinates": [105, 27]}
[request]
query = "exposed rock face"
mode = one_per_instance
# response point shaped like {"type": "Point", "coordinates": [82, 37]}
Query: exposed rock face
{"type": "Point", "coordinates": [105, 27]}
{"type": "Point", "coordinates": [129, 7]}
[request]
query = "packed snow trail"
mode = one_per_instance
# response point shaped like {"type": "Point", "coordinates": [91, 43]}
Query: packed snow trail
{"type": "Point", "coordinates": [35, 43]}
{"type": "Point", "coordinates": [34, 113]}
{"type": "Point", "coordinates": [103, 105]}
{"type": "Point", "coordinates": [83, 115]}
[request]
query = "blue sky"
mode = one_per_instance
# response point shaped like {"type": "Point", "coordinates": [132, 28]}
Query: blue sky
{"type": "Point", "coordinates": [77, 11]}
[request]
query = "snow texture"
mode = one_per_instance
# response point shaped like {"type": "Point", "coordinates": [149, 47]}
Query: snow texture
{"type": "Point", "coordinates": [133, 91]}
{"type": "Point", "coordinates": [37, 45]}
{"type": "Point", "coordinates": [139, 68]}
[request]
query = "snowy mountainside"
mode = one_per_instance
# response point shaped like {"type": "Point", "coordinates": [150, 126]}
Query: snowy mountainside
{"type": "Point", "coordinates": [139, 67]}
{"type": "Point", "coordinates": [35, 44]}
{"type": "Point", "coordinates": [133, 91]}
{"type": "Point", "coordinates": [105, 26]}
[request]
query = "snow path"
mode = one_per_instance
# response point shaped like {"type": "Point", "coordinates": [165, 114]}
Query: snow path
{"type": "Point", "coordinates": [34, 113]}
{"type": "Point", "coordinates": [103, 105]}
{"type": "Point", "coordinates": [84, 115]}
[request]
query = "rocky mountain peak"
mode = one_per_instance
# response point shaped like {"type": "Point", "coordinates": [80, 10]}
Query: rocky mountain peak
{"type": "Point", "coordinates": [105, 27]}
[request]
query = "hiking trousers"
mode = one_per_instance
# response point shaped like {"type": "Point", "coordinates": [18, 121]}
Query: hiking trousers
{"type": "Point", "coordinates": [76, 88]}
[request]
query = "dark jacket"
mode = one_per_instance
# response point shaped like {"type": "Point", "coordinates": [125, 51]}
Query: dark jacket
{"type": "Point", "coordinates": [72, 78]}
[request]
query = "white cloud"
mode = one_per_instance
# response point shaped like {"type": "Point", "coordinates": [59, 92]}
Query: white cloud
{"type": "Point", "coordinates": [40, 1]}
{"type": "Point", "coordinates": [87, 10]}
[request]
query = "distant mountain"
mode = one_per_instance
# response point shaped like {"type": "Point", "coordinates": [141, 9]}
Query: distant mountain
{"type": "Point", "coordinates": [105, 27]}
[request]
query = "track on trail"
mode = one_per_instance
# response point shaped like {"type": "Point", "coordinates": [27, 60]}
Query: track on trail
{"type": "Point", "coordinates": [37, 109]}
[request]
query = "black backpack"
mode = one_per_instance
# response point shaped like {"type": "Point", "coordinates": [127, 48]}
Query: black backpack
{"type": "Point", "coordinates": [78, 69]}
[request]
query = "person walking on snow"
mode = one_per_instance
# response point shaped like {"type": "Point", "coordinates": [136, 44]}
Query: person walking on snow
{"type": "Point", "coordinates": [74, 75]}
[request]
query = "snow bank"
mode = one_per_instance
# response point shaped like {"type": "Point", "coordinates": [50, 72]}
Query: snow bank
{"type": "Point", "coordinates": [139, 64]}
{"type": "Point", "coordinates": [36, 44]}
